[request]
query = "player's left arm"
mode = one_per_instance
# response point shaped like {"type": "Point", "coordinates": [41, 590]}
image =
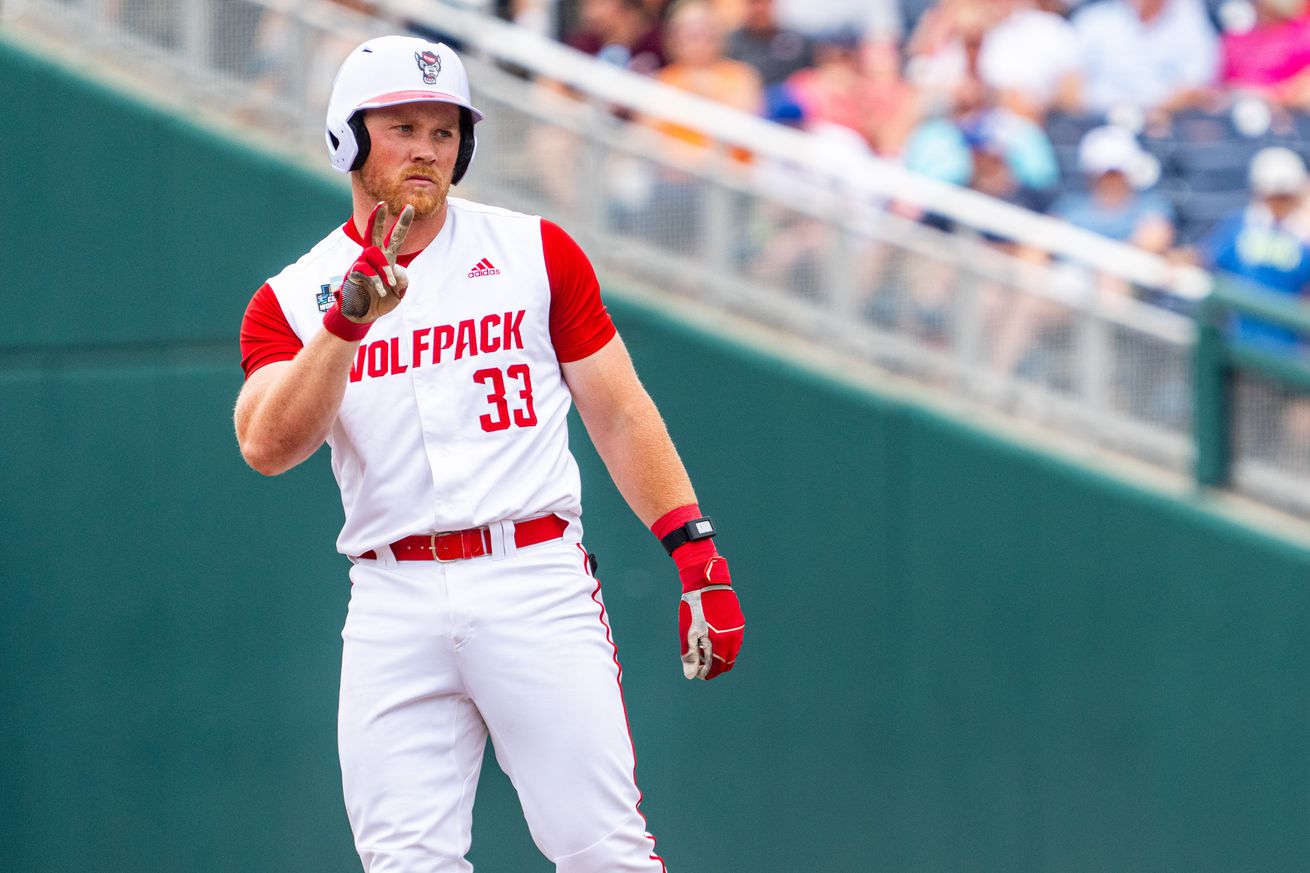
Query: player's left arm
{"type": "Point", "coordinates": [628, 432]}
{"type": "Point", "coordinates": [630, 437]}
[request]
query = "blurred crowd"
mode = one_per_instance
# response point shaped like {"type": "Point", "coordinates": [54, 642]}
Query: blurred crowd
{"type": "Point", "coordinates": [1031, 101]}
{"type": "Point", "coordinates": [1174, 125]}
{"type": "Point", "coordinates": [1179, 126]}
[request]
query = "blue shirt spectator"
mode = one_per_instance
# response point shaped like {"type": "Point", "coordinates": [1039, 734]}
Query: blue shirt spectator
{"type": "Point", "coordinates": [1117, 220]}
{"type": "Point", "coordinates": [1115, 204]}
{"type": "Point", "coordinates": [944, 148]}
{"type": "Point", "coordinates": [1261, 245]}
{"type": "Point", "coordinates": [1119, 205]}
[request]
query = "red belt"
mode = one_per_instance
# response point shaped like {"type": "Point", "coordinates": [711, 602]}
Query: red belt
{"type": "Point", "coordinates": [456, 545]}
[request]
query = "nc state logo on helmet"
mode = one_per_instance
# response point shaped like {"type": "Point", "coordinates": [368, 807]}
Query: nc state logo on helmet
{"type": "Point", "coordinates": [388, 71]}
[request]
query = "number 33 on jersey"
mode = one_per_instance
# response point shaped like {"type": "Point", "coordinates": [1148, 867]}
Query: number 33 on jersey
{"type": "Point", "coordinates": [430, 346]}
{"type": "Point", "coordinates": [458, 389]}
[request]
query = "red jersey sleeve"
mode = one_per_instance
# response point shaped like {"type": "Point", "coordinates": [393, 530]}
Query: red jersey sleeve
{"type": "Point", "coordinates": [266, 335]}
{"type": "Point", "coordinates": [579, 322]}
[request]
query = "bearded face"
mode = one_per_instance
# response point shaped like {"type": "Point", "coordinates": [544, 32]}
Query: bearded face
{"type": "Point", "coordinates": [411, 157]}
{"type": "Point", "coordinates": [396, 188]}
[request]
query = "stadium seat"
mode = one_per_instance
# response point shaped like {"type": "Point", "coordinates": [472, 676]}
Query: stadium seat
{"type": "Point", "coordinates": [1066, 130]}
{"type": "Point", "coordinates": [1199, 211]}
{"type": "Point", "coordinates": [1214, 166]}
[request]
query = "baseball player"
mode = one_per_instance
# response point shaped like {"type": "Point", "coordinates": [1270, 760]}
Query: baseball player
{"type": "Point", "coordinates": [436, 345]}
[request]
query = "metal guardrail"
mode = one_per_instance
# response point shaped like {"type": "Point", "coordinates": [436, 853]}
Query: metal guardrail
{"type": "Point", "coordinates": [1219, 359]}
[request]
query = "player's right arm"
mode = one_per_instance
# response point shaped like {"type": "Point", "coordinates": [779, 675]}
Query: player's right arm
{"type": "Point", "coordinates": [286, 408]}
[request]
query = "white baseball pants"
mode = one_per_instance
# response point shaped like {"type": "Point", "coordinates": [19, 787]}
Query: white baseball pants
{"type": "Point", "coordinates": [436, 656]}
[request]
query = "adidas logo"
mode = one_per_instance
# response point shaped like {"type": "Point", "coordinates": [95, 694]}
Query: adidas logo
{"type": "Point", "coordinates": [483, 268]}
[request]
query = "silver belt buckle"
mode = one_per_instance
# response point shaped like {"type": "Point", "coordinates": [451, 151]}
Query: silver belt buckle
{"type": "Point", "coordinates": [463, 550]}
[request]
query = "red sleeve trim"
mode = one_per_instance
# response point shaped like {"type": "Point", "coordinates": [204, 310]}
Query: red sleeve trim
{"type": "Point", "coordinates": [580, 325]}
{"type": "Point", "coordinates": [266, 335]}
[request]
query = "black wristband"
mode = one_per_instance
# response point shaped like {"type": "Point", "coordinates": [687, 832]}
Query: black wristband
{"type": "Point", "coordinates": [696, 529]}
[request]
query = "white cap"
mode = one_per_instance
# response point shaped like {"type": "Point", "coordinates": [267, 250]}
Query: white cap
{"type": "Point", "coordinates": [1114, 149]}
{"type": "Point", "coordinates": [1109, 148]}
{"type": "Point", "coordinates": [1277, 171]}
{"type": "Point", "coordinates": [388, 71]}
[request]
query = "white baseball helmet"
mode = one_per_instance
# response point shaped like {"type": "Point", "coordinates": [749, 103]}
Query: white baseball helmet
{"type": "Point", "coordinates": [388, 71]}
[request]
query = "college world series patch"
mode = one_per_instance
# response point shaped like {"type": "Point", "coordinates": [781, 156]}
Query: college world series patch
{"type": "Point", "coordinates": [326, 295]}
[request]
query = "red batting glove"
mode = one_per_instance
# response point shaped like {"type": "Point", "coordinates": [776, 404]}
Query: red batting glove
{"type": "Point", "coordinates": [710, 622]}
{"type": "Point", "coordinates": [362, 297]}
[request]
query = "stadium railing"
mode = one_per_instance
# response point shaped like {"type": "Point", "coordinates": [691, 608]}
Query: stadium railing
{"type": "Point", "coordinates": [1253, 393]}
{"type": "Point", "coordinates": [1012, 311]}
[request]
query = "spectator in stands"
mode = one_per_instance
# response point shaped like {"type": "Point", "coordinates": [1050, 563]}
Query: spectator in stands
{"type": "Point", "coordinates": [1116, 166]}
{"type": "Point", "coordinates": [831, 91]}
{"type": "Point", "coordinates": [1265, 243]}
{"type": "Point", "coordinates": [1033, 340]}
{"type": "Point", "coordinates": [945, 147]}
{"type": "Point", "coordinates": [1155, 55]}
{"type": "Point", "coordinates": [857, 87]}
{"type": "Point", "coordinates": [620, 32]}
{"type": "Point", "coordinates": [1003, 149]}
{"type": "Point", "coordinates": [788, 247]}
{"type": "Point", "coordinates": [774, 51]}
{"type": "Point", "coordinates": [945, 49]}
{"type": "Point", "coordinates": [694, 38]}
{"type": "Point", "coordinates": [1271, 59]}
{"type": "Point", "coordinates": [1031, 58]}
{"type": "Point", "coordinates": [997, 145]}
{"type": "Point", "coordinates": [890, 104]}
{"type": "Point", "coordinates": [993, 151]}
{"type": "Point", "coordinates": [617, 32]}
{"type": "Point", "coordinates": [695, 41]}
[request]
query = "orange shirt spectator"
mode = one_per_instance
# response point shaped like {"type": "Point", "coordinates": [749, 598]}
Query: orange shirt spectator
{"type": "Point", "coordinates": [694, 40]}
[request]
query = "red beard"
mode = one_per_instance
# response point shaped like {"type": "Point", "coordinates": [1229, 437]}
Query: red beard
{"type": "Point", "coordinates": [394, 192]}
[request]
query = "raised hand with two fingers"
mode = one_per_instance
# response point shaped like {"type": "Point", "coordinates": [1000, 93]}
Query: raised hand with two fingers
{"type": "Point", "coordinates": [375, 284]}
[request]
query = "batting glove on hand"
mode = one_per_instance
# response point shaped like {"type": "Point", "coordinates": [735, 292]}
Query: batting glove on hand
{"type": "Point", "coordinates": [375, 284]}
{"type": "Point", "coordinates": [710, 621]}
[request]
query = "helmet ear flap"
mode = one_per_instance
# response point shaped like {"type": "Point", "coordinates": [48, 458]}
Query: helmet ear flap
{"type": "Point", "coordinates": [362, 142]}
{"type": "Point", "coordinates": [468, 144]}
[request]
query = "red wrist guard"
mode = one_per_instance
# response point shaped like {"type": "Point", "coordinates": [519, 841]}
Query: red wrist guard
{"type": "Point", "coordinates": [339, 326]}
{"type": "Point", "coordinates": [694, 559]}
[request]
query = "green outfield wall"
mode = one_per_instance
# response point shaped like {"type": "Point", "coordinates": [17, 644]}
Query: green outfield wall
{"type": "Point", "coordinates": [962, 655]}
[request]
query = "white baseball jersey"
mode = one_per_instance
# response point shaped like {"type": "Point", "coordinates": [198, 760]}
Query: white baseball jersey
{"type": "Point", "coordinates": [455, 412]}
